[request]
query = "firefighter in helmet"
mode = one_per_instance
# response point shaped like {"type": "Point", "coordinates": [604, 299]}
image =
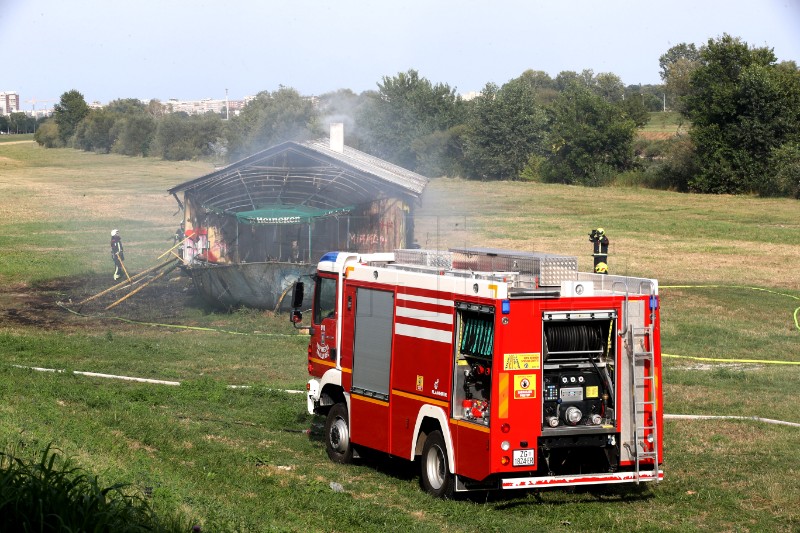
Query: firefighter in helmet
{"type": "Point", "coordinates": [598, 238]}
{"type": "Point", "coordinates": [117, 254]}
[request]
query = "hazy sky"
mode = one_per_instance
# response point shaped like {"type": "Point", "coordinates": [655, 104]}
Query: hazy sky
{"type": "Point", "coordinates": [192, 49]}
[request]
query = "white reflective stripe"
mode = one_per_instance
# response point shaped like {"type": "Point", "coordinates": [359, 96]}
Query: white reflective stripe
{"type": "Point", "coordinates": [418, 332]}
{"type": "Point", "coordinates": [424, 299]}
{"type": "Point", "coordinates": [429, 316]}
{"type": "Point", "coordinates": [588, 479]}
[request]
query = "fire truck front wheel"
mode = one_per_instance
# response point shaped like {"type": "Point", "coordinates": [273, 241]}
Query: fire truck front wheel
{"type": "Point", "coordinates": [435, 475]}
{"type": "Point", "coordinates": [337, 434]}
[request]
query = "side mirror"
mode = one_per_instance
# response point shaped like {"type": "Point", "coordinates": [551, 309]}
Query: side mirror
{"type": "Point", "coordinates": [296, 317]}
{"type": "Point", "coordinates": [297, 295]}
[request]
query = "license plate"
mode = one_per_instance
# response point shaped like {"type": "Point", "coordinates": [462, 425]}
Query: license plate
{"type": "Point", "coordinates": [524, 457]}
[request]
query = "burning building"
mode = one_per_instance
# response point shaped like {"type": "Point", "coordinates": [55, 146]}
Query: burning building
{"type": "Point", "coordinates": [254, 227]}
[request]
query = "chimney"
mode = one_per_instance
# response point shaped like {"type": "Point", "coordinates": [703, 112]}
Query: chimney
{"type": "Point", "coordinates": [337, 137]}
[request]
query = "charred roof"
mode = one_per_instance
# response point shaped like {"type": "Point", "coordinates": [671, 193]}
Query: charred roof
{"type": "Point", "coordinates": [307, 173]}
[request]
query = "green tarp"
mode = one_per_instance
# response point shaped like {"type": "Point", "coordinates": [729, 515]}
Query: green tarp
{"type": "Point", "coordinates": [286, 214]}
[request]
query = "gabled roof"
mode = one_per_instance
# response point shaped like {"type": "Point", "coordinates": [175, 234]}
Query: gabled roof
{"type": "Point", "coordinates": [302, 173]}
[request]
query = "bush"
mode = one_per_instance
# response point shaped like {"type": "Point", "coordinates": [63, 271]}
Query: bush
{"type": "Point", "coordinates": [51, 495]}
{"type": "Point", "coordinates": [631, 178]}
{"type": "Point", "coordinates": [650, 149]}
{"type": "Point", "coordinates": [784, 164]}
{"type": "Point", "coordinates": [47, 135]}
{"type": "Point", "coordinates": [677, 168]}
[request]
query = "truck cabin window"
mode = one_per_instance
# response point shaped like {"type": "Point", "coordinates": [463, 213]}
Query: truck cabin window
{"type": "Point", "coordinates": [324, 299]}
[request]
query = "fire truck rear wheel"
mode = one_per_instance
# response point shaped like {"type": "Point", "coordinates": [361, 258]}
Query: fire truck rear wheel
{"type": "Point", "coordinates": [435, 475]}
{"type": "Point", "coordinates": [337, 435]}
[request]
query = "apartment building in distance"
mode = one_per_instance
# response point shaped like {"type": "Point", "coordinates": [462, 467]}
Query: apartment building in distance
{"type": "Point", "coordinates": [199, 107]}
{"type": "Point", "coordinates": [9, 102]}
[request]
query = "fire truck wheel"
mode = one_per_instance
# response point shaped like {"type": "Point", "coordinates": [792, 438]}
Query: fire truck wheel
{"type": "Point", "coordinates": [337, 435]}
{"type": "Point", "coordinates": [435, 475]}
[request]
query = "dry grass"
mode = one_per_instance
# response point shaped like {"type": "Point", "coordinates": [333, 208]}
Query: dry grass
{"type": "Point", "coordinates": [88, 186]}
{"type": "Point", "coordinates": [669, 236]}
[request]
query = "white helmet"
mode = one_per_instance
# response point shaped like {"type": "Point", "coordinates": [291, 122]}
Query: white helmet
{"type": "Point", "coordinates": [114, 232]}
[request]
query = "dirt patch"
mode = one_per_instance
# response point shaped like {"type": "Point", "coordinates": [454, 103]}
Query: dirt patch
{"type": "Point", "coordinates": [656, 135]}
{"type": "Point", "coordinates": [56, 304]}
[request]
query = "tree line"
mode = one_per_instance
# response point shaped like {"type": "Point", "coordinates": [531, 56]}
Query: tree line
{"type": "Point", "coordinates": [577, 128]}
{"type": "Point", "coordinates": [17, 122]}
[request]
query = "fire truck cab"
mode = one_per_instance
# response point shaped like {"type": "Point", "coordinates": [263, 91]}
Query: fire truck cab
{"type": "Point", "coordinates": [493, 369]}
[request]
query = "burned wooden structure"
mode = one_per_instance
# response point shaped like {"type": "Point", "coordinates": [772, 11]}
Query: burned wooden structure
{"type": "Point", "coordinates": [252, 228]}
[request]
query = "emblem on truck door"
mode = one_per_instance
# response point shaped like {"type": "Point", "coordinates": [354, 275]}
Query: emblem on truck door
{"type": "Point", "coordinates": [323, 352]}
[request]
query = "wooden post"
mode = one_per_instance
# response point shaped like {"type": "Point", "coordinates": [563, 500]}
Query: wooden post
{"type": "Point", "coordinates": [120, 284]}
{"type": "Point", "coordinates": [142, 286]}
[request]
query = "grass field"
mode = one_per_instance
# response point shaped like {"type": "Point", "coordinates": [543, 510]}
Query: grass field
{"type": "Point", "coordinates": [6, 139]}
{"type": "Point", "coordinates": [251, 459]}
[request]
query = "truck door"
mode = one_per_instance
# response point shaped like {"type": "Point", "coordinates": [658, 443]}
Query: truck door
{"type": "Point", "coordinates": [323, 332]}
{"type": "Point", "coordinates": [372, 355]}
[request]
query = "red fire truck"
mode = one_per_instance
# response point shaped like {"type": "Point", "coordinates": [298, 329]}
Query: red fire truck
{"type": "Point", "coordinates": [493, 369]}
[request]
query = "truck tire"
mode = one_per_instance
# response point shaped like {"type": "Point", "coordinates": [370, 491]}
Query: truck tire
{"type": "Point", "coordinates": [337, 435]}
{"type": "Point", "coordinates": [435, 476]}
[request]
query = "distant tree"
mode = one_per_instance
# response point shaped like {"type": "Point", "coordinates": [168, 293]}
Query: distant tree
{"type": "Point", "coordinates": [678, 83]}
{"type": "Point", "coordinates": [609, 86]}
{"type": "Point", "coordinates": [68, 113]}
{"type": "Point", "coordinates": [680, 52]}
{"type": "Point", "coordinates": [94, 132]}
{"type": "Point", "coordinates": [180, 136]}
{"type": "Point", "coordinates": [47, 135]}
{"type": "Point", "coordinates": [566, 78]}
{"type": "Point", "coordinates": [677, 65]}
{"type": "Point", "coordinates": [20, 123]}
{"type": "Point", "coordinates": [270, 119]}
{"type": "Point", "coordinates": [156, 109]}
{"type": "Point", "coordinates": [134, 127]}
{"type": "Point", "coordinates": [134, 134]}
{"type": "Point", "coordinates": [589, 140]}
{"type": "Point", "coordinates": [634, 109]}
{"type": "Point", "coordinates": [506, 127]}
{"type": "Point", "coordinates": [676, 168]}
{"type": "Point", "coordinates": [405, 109]}
{"type": "Point", "coordinates": [743, 107]}
{"type": "Point", "coordinates": [126, 106]}
{"type": "Point", "coordinates": [542, 84]}
{"type": "Point", "coordinates": [441, 153]}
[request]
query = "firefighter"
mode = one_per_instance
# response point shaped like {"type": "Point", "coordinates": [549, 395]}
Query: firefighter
{"type": "Point", "coordinates": [179, 234]}
{"type": "Point", "coordinates": [117, 254]}
{"type": "Point", "coordinates": [600, 254]}
{"type": "Point", "coordinates": [179, 237]}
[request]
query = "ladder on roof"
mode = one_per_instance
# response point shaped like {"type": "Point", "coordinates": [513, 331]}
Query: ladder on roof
{"type": "Point", "coordinates": [643, 376]}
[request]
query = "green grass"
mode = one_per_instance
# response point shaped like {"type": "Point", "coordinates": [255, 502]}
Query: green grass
{"type": "Point", "coordinates": [242, 460]}
{"type": "Point", "coordinates": [16, 138]}
{"type": "Point", "coordinates": [48, 494]}
{"type": "Point", "coordinates": [666, 122]}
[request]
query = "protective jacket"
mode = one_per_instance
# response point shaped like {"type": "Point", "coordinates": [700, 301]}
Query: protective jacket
{"type": "Point", "coordinates": [117, 253]}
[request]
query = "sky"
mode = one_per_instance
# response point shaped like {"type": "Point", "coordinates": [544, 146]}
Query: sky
{"type": "Point", "coordinates": [194, 49]}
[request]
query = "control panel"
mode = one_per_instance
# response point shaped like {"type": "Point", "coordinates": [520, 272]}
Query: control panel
{"type": "Point", "coordinates": [574, 397]}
